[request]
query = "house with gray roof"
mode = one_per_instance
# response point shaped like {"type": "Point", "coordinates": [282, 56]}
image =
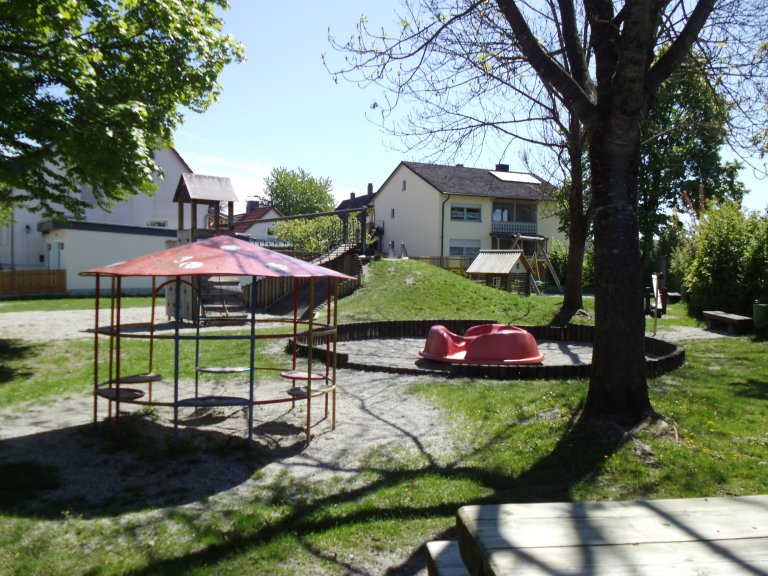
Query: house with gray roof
{"type": "Point", "coordinates": [435, 210]}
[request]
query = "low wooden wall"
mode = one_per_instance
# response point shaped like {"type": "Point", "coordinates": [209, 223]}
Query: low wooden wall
{"type": "Point", "coordinates": [32, 282]}
{"type": "Point", "coordinates": [663, 356]}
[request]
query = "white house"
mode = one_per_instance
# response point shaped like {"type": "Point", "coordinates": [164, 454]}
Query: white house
{"type": "Point", "coordinates": [136, 226]}
{"type": "Point", "coordinates": [439, 211]}
{"type": "Point", "coordinates": [250, 222]}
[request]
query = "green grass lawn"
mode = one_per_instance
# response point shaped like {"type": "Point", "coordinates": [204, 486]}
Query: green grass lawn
{"type": "Point", "coordinates": [515, 442]}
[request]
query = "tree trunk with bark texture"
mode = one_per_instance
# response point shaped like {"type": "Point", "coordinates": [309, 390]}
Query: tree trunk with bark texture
{"type": "Point", "coordinates": [618, 390]}
{"type": "Point", "coordinates": [579, 222]}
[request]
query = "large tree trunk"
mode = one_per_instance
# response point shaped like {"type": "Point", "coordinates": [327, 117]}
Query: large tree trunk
{"type": "Point", "coordinates": [618, 390]}
{"type": "Point", "coordinates": [578, 221]}
{"type": "Point", "coordinates": [574, 272]}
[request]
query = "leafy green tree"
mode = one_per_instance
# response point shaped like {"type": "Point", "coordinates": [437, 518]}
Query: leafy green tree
{"type": "Point", "coordinates": [682, 136]}
{"type": "Point", "coordinates": [605, 63]}
{"type": "Point", "coordinates": [321, 234]}
{"type": "Point", "coordinates": [90, 89]}
{"type": "Point", "coordinates": [295, 192]}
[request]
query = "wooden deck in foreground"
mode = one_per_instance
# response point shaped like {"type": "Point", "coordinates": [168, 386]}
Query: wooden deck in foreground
{"type": "Point", "coordinates": [701, 536]}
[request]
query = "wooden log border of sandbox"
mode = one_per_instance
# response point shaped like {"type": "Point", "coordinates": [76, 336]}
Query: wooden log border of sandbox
{"type": "Point", "coordinates": [661, 356]}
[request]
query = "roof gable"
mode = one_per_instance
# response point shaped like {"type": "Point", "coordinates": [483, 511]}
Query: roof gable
{"type": "Point", "coordinates": [204, 189]}
{"type": "Point", "coordinates": [356, 202]}
{"type": "Point", "coordinates": [498, 262]}
{"type": "Point", "coordinates": [244, 221]}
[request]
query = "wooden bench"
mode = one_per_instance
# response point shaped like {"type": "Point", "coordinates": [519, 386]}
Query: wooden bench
{"type": "Point", "coordinates": [444, 559]}
{"type": "Point", "coordinates": [734, 323]}
{"type": "Point", "coordinates": [685, 537]}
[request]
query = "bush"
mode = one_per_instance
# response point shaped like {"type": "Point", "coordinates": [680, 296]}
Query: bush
{"type": "Point", "coordinates": [680, 261]}
{"type": "Point", "coordinates": [728, 270]}
{"type": "Point", "coordinates": [558, 256]}
{"type": "Point", "coordinates": [756, 261]}
{"type": "Point", "coordinates": [588, 278]}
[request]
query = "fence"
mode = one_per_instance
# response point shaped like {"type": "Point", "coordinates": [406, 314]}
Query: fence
{"type": "Point", "coordinates": [270, 290]}
{"type": "Point", "coordinates": [32, 282]}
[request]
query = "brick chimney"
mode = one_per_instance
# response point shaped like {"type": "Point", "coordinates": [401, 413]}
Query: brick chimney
{"type": "Point", "coordinates": [351, 195]}
{"type": "Point", "coordinates": [370, 189]}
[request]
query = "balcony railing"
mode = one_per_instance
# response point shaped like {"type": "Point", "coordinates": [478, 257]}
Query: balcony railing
{"type": "Point", "coordinates": [513, 228]}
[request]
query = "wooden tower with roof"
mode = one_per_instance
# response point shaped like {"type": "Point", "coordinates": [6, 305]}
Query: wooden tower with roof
{"type": "Point", "coordinates": [209, 191]}
{"type": "Point", "coordinates": [220, 298]}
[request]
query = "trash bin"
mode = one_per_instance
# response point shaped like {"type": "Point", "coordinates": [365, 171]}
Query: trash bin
{"type": "Point", "coordinates": [760, 315]}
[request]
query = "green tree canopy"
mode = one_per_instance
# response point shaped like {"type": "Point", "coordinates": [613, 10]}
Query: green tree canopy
{"type": "Point", "coordinates": [321, 234]}
{"type": "Point", "coordinates": [90, 89]}
{"type": "Point", "coordinates": [680, 156]}
{"type": "Point", "coordinates": [295, 192]}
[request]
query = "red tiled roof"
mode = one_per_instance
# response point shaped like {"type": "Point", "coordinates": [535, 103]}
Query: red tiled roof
{"type": "Point", "coordinates": [246, 220]}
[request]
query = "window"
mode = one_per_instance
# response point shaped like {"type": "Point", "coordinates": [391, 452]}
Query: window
{"type": "Point", "coordinates": [496, 282]}
{"type": "Point", "coordinates": [157, 222]}
{"type": "Point", "coordinates": [392, 214]}
{"type": "Point", "coordinates": [525, 212]}
{"type": "Point", "coordinates": [464, 248]}
{"type": "Point", "coordinates": [405, 185]}
{"type": "Point", "coordinates": [501, 214]}
{"type": "Point", "coordinates": [515, 213]}
{"type": "Point", "coordinates": [465, 213]}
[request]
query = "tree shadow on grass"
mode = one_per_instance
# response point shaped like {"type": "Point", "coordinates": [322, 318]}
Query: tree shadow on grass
{"type": "Point", "coordinates": [578, 456]}
{"type": "Point", "coordinates": [98, 471]}
{"type": "Point", "coordinates": [296, 514]}
{"type": "Point", "coordinates": [10, 351]}
{"type": "Point", "coordinates": [752, 388]}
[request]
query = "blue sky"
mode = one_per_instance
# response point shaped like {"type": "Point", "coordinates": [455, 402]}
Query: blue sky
{"type": "Point", "coordinates": [281, 108]}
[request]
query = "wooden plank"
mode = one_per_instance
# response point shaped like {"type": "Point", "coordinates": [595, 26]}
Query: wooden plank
{"type": "Point", "coordinates": [597, 531]}
{"type": "Point", "coordinates": [726, 317]}
{"type": "Point", "coordinates": [717, 558]}
{"type": "Point", "coordinates": [485, 530]}
{"type": "Point", "coordinates": [444, 559]}
{"type": "Point", "coordinates": [758, 504]}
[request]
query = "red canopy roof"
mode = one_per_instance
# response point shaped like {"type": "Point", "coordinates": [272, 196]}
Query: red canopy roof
{"type": "Point", "coordinates": [217, 256]}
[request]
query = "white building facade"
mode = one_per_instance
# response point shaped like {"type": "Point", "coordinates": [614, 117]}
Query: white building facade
{"type": "Point", "coordinates": [440, 211]}
{"type": "Point", "coordinates": [136, 226]}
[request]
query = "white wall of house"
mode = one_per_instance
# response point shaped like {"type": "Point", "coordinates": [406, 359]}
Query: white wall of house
{"type": "Point", "coordinates": [413, 212]}
{"type": "Point", "coordinates": [408, 210]}
{"type": "Point", "coordinates": [150, 211]}
{"type": "Point", "coordinates": [24, 247]}
{"type": "Point", "coordinates": [261, 230]}
{"type": "Point", "coordinates": [79, 250]}
{"type": "Point", "coordinates": [548, 222]}
{"type": "Point", "coordinates": [467, 221]}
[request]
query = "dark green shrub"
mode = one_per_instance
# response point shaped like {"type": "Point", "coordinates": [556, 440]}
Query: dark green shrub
{"type": "Point", "coordinates": [558, 256]}
{"type": "Point", "coordinates": [756, 261]}
{"type": "Point", "coordinates": [724, 243]}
